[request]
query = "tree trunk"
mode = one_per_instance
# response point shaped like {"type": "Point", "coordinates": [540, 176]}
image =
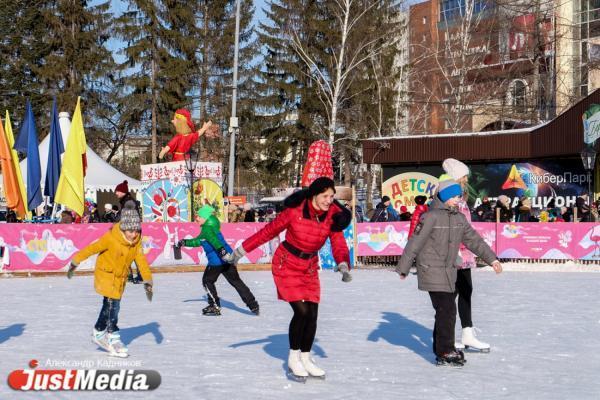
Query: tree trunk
{"type": "Point", "coordinates": [154, 109]}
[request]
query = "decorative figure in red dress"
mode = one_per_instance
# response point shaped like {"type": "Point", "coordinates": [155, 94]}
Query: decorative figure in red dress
{"type": "Point", "coordinates": [186, 136]}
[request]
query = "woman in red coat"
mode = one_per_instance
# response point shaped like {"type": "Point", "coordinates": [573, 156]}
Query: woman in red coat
{"type": "Point", "coordinates": [310, 217]}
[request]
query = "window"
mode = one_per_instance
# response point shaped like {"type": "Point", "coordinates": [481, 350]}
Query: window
{"type": "Point", "coordinates": [424, 20]}
{"type": "Point", "coordinates": [517, 95]}
{"type": "Point", "coordinates": [451, 9]}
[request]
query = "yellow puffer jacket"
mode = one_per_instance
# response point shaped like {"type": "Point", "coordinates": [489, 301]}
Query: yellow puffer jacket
{"type": "Point", "coordinates": [115, 255]}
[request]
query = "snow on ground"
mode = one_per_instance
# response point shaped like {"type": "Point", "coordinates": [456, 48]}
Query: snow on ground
{"type": "Point", "coordinates": [374, 338]}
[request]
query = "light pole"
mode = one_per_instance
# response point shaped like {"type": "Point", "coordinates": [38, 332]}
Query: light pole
{"type": "Point", "coordinates": [191, 161]}
{"type": "Point", "coordinates": [588, 158]}
{"type": "Point", "coordinates": [233, 121]}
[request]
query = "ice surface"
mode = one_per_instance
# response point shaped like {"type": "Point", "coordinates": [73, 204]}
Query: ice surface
{"type": "Point", "coordinates": [374, 338]}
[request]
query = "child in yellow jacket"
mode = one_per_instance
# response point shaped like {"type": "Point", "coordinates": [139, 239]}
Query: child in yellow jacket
{"type": "Point", "coordinates": [116, 250]}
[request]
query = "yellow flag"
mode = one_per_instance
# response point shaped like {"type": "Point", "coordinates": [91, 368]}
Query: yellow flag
{"type": "Point", "coordinates": [71, 191]}
{"type": "Point", "coordinates": [22, 212]}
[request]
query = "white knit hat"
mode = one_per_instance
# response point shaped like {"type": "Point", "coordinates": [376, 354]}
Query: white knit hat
{"type": "Point", "coordinates": [455, 168]}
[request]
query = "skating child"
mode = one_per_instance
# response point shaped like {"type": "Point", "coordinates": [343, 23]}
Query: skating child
{"type": "Point", "coordinates": [219, 258]}
{"type": "Point", "coordinates": [434, 246]}
{"type": "Point", "coordinates": [116, 250]}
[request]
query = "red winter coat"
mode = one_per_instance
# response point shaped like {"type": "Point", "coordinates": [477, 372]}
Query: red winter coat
{"type": "Point", "coordinates": [295, 278]}
{"type": "Point", "coordinates": [419, 209]}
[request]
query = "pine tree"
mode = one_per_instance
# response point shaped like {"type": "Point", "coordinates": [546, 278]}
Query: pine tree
{"type": "Point", "coordinates": [287, 96]}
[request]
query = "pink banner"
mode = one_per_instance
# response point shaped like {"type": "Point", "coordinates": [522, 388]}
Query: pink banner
{"type": "Point", "coordinates": [549, 241]}
{"type": "Point", "coordinates": [50, 247]}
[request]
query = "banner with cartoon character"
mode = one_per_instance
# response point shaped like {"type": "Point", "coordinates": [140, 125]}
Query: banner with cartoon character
{"type": "Point", "coordinates": [164, 202]}
{"type": "Point", "coordinates": [50, 247]}
{"type": "Point", "coordinates": [381, 238]}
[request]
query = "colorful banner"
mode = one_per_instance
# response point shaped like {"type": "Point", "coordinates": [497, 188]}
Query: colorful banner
{"type": "Point", "coordinates": [403, 188]}
{"type": "Point", "coordinates": [164, 202]}
{"type": "Point", "coordinates": [561, 180]}
{"type": "Point", "coordinates": [50, 247]}
{"type": "Point", "coordinates": [177, 172]}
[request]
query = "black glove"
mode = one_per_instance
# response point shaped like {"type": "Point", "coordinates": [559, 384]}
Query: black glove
{"type": "Point", "coordinates": [149, 290]}
{"type": "Point", "coordinates": [71, 270]}
{"type": "Point", "coordinates": [180, 243]}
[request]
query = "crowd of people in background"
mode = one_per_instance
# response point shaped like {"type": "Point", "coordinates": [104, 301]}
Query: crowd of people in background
{"type": "Point", "coordinates": [500, 210]}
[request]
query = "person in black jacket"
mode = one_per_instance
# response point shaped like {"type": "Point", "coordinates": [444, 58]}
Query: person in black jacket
{"type": "Point", "coordinates": [122, 192]}
{"type": "Point", "coordinates": [503, 203]}
{"type": "Point", "coordinates": [484, 212]}
{"type": "Point", "coordinates": [381, 211]}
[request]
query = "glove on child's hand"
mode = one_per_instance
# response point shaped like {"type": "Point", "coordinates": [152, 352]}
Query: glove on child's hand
{"type": "Point", "coordinates": [149, 290]}
{"type": "Point", "coordinates": [180, 243]}
{"type": "Point", "coordinates": [71, 270]}
{"type": "Point", "coordinates": [345, 270]}
{"type": "Point", "coordinates": [225, 256]}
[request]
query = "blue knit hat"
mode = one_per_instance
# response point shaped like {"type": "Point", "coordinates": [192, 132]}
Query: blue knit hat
{"type": "Point", "coordinates": [449, 189]}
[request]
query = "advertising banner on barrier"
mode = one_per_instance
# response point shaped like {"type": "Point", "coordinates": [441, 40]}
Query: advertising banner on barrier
{"type": "Point", "coordinates": [50, 247]}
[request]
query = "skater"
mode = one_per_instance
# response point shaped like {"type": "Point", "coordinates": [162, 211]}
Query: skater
{"type": "Point", "coordinates": [419, 209]}
{"type": "Point", "coordinates": [116, 250]}
{"type": "Point", "coordinates": [219, 257]}
{"type": "Point", "coordinates": [434, 246]}
{"type": "Point", "coordinates": [459, 172]}
{"type": "Point", "coordinates": [309, 218]}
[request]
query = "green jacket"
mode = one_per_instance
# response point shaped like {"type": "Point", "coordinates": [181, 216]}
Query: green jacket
{"type": "Point", "coordinates": [210, 233]}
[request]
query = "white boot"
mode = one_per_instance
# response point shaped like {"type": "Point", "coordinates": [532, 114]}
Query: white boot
{"type": "Point", "coordinates": [117, 348]}
{"type": "Point", "coordinates": [100, 338]}
{"type": "Point", "coordinates": [470, 341]}
{"type": "Point", "coordinates": [459, 346]}
{"type": "Point", "coordinates": [310, 366]}
{"type": "Point", "coordinates": [295, 365]}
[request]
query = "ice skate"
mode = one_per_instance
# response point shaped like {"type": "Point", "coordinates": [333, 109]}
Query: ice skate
{"type": "Point", "coordinates": [459, 346]}
{"type": "Point", "coordinates": [296, 370]}
{"type": "Point", "coordinates": [255, 309]}
{"type": "Point", "coordinates": [311, 367]}
{"type": "Point", "coordinates": [116, 347]}
{"type": "Point", "coordinates": [452, 359]}
{"type": "Point", "coordinates": [470, 342]}
{"type": "Point", "coordinates": [211, 310]}
{"type": "Point", "coordinates": [100, 338]}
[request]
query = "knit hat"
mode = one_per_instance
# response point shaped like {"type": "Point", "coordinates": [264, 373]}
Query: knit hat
{"type": "Point", "coordinates": [130, 219]}
{"type": "Point", "coordinates": [455, 168]}
{"type": "Point", "coordinates": [420, 199]}
{"type": "Point", "coordinates": [185, 115]}
{"type": "Point", "coordinates": [205, 211]}
{"type": "Point", "coordinates": [385, 198]}
{"type": "Point", "coordinates": [122, 187]}
{"type": "Point", "coordinates": [403, 209]}
{"type": "Point", "coordinates": [108, 206]}
{"type": "Point", "coordinates": [448, 189]}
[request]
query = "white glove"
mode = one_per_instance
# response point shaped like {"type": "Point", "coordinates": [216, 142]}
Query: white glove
{"type": "Point", "coordinates": [345, 270]}
{"type": "Point", "coordinates": [238, 254]}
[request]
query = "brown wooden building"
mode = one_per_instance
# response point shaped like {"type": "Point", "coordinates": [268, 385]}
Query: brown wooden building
{"type": "Point", "coordinates": [560, 138]}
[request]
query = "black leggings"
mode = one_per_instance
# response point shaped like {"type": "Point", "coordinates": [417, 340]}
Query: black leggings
{"type": "Point", "coordinates": [464, 289]}
{"type": "Point", "coordinates": [303, 326]}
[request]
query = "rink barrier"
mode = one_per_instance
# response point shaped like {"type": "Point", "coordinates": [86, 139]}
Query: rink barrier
{"type": "Point", "coordinates": [50, 247]}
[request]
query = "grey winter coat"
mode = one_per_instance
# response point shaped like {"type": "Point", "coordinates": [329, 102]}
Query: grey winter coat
{"type": "Point", "coordinates": [435, 244]}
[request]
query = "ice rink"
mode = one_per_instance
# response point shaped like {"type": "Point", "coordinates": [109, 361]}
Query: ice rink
{"type": "Point", "coordinates": [373, 339]}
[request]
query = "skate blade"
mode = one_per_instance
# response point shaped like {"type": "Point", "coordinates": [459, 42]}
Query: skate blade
{"type": "Point", "coordinates": [118, 355]}
{"type": "Point", "coordinates": [296, 378]}
{"type": "Point", "coordinates": [447, 364]}
{"type": "Point", "coordinates": [472, 349]}
{"type": "Point", "coordinates": [318, 378]}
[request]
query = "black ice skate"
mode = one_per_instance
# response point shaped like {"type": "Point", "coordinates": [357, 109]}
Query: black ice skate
{"type": "Point", "coordinates": [452, 359]}
{"type": "Point", "coordinates": [212, 310]}
{"type": "Point", "coordinates": [255, 309]}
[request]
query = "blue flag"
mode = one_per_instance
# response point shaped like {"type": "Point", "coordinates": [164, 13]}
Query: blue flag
{"type": "Point", "coordinates": [54, 151]}
{"type": "Point", "coordinates": [27, 142]}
